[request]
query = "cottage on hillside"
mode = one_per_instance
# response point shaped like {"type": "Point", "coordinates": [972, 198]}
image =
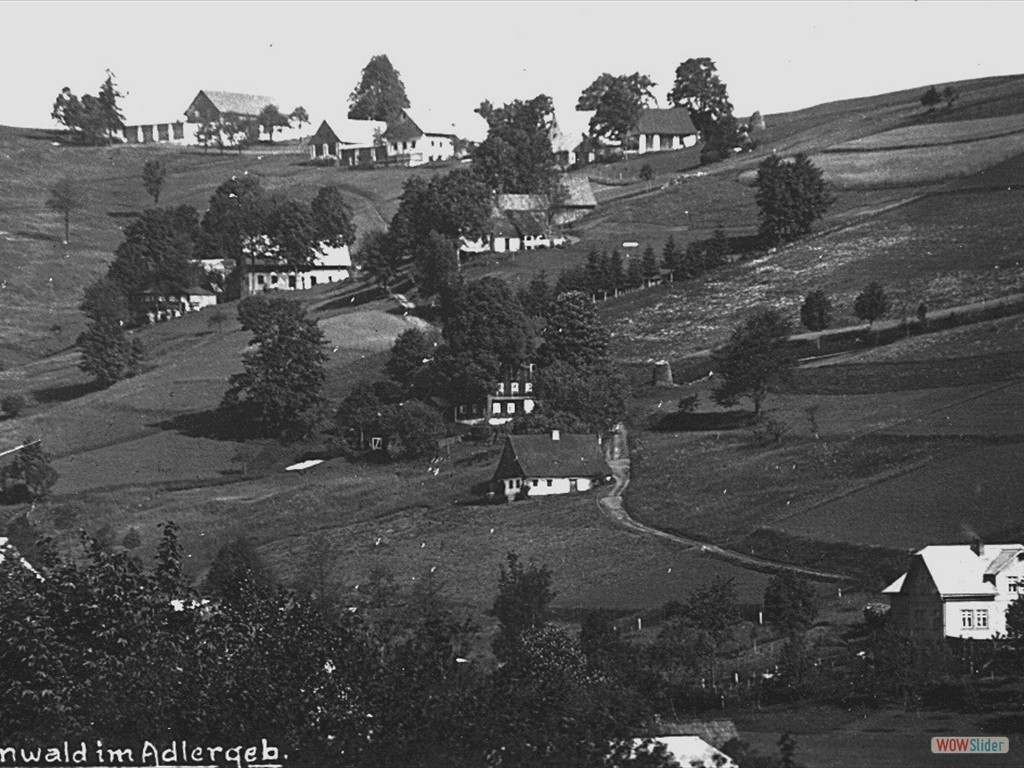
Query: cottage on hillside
{"type": "Point", "coordinates": [541, 465]}
{"type": "Point", "coordinates": [415, 139]}
{"type": "Point", "coordinates": [958, 590]}
{"type": "Point", "coordinates": [661, 130]}
{"type": "Point", "coordinates": [265, 271]}
{"type": "Point", "coordinates": [351, 142]}
{"type": "Point", "coordinates": [158, 306]}
{"type": "Point", "coordinates": [512, 396]}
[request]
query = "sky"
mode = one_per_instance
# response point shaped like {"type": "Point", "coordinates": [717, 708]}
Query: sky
{"type": "Point", "coordinates": [772, 56]}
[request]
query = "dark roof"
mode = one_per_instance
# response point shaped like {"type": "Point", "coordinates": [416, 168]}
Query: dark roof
{"type": "Point", "coordinates": [512, 202]}
{"type": "Point", "coordinates": [675, 121]}
{"type": "Point", "coordinates": [578, 192]}
{"type": "Point", "coordinates": [527, 222]}
{"type": "Point", "coordinates": [239, 103]}
{"type": "Point", "coordinates": [410, 125]}
{"type": "Point", "coordinates": [541, 456]}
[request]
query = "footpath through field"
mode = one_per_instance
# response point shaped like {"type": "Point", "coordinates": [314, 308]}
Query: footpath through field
{"type": "Point", "coordinates": [612, 504]}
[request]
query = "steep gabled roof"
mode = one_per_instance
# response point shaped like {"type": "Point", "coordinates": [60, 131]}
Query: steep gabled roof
{"type": "Point", "coordinates": [348, 131]}
{"type": "Point", "coordinates": [578, 192]}
{"type": "Point", "coordinates": [674, 121]}
{"type": "Point", "coordinates": [957, 571]}
{"type": "Point", "coordinates": [529, 223]}
{"type": "Point", "coordinates": [542, 456]}
{"type": "Point", "coordinates": [239, 103]}
{"type": "Point", "coordinates": [411, 125]}
{"type": "Point", "coordinates": [512, 202]}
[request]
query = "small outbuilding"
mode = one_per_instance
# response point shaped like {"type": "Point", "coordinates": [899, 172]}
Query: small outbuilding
{"type": "Point", "coordinates": [542, 465]}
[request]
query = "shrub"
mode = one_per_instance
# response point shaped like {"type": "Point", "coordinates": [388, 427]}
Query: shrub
{"type": "Point", "coordinates": [65, 515]}
{"type": "Point", "coordinates": [13, 405]}
{"type": "Point", "coordinates": [646, 172]}
{"type": "Point", "coordinates": [131, 539]}
{"type": "Point", "coordinates": [768, 430]}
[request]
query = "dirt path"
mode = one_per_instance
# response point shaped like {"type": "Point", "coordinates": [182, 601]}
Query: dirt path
{"type": "Point", "coordinates": [613, 506]}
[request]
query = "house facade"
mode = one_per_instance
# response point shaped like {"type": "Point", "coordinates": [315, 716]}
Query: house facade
{"type": "Point", "coordinates": [264, 270]}
{"type": "Point", "coordinates": [159, 306]}
{"type": "Point", "coordinates": [223, 107]}
{"type": "Point", "coordinates": [414, 139]}
{"type": "Point", "coordinates": [154, 131]}
{"type": "Point", "coordinates": [351, 142]}
{"type": "Point", "coordinates": [511, 397]}
{"type": "Point", "coordinates": [662, 130]}
{"type": "Point", "coordinates": [544, 465]}
{"type": "Point", "coordinates": [958, 590]}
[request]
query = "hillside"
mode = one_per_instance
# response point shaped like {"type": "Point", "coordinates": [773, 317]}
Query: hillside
{"type": "Point", "coordinates": [150, 449]}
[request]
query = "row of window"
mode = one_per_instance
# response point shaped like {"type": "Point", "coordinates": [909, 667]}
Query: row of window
{"type": "Point", "coordinates": [514, 387]}
{"type": "Point", "coordinates": [1014, 583]}
{"type": "Point", "coordinates": [974, 619]}
{"type": "Point", "coordinates": [531, 483]}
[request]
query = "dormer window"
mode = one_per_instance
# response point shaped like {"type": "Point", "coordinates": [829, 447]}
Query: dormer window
{"type": "Point", "coordinates": [515, 387]}
{"type": "Point", "coordinates": [1013, 584]}
{"type": "Point", "coordinates": [528, 387]}
{"type": "Point", "coordinates": [501, 388]}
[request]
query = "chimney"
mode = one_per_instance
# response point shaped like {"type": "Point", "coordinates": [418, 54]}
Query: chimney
{"type": "Point", "coordinates": [977, 546]}
{"type": "Point", "coordinates": [555, 436]}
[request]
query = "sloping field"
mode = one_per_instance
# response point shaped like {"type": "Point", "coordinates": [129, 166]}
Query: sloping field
{"type": "Point", "coordinates": [935, 134]}
{"type": "Point", "coordinates": [369, 330]}
{"type": "Point", "coordinates": [980, 489]}
{"type": "Point", "coordinates": [42, 279]}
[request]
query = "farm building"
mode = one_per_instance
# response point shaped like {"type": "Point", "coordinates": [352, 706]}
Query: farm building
{"type": "Point", "coordinates": [689, 750]}
{"type": "Point", "coordinates": [352, 142]}
{"type": "Point", "coordinates": [567, 135]}
{"type": "Point", "coordinates": [154, 129]}
{"type": "Point", "coordinates": [511, 397]}
{"type": "Point", "coordinates": [661, 130]}
{"type": "Point", "coordinates": [958, 590]}
{"type": "Point", "coordinates": [416, 139]}
{"type": "Point", "coordinates": [221, 107]}
{"type": "Point", "coordinates": [265, 271]}
{"type": "Point", "coordinates": [166, 305]}
{"type": "Point", "coordinates": [542, 465]}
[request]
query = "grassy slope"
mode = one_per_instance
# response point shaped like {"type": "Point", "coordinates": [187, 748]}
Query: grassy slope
{"type": "Point", "coordinates": [43, 280]}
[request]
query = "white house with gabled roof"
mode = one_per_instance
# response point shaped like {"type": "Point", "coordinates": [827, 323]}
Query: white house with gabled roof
{"type": "Point", "coordinates": [958, 590]}
{"type": "Point", "coordinates": [416, 138]}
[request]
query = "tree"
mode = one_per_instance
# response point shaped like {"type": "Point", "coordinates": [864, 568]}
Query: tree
{"type": "Point", "coordinates": [454, 205]}
{"type": "Point", "coordinates": [31, 470]}
{"type": "Point", "coordinates": [380, 94]}
{"type": "Point", "coordinates": [484, 317]}
{"type": "Point", "coordinates": [412, 350]}
{"type": "Point", "coordinates": [816, 311]}
{"type": "Point", "coordinates": [107, 353]}
{"type": "Point", "coordinates": [714, 608]}
{"type": "Point", "coordinates": [237, 211]}
{"type": "Point", "coordinates": [238, 574]}
{"type": "Point", "coordinates": [153, 174]}
{"type": "Point", "coordinates": [1015, 621]}
{"type": "Point", "coordinates": [416, 430]}
{"type": "Point", "coordinates": [618, 102]}
{"type": "Point", "coordinates": [536, 297]}
{"type": "Point", "coordinates": [670, 255]}
{"type": "Point", "coordinates": [92, 119]}
{"type": "Point", "coordinates": [649, 264]}
{"type": "Point", "coordinates": [931, 98]}
{"type": "Point", "coordinates": [110, 114]}
{"type": "Point", "coordinates": [573, 334]}
{"type": "Point", "coordinates": [281, 388]}
{"type": "Point", "coordinates": [522, 603]}
{"type": "Point", "coordinates": [299, 116]}
{"type": "Point", "coordinates": [436, 265]}
{"type": "Point", "coordinates": [753, 356]}
{"type": "Point", "coordinates": [592, 396]}
{"type": "Point", "coordinates": [790, 196]}
{"type": "Point", "coordinates": [950, 95]}
{"type": "Point", "coordinates": [270, 117]}
{"type": "Point", "coordinates": [871, 303]}
{"type": "Point", "coordinates": [516, 156]}
{"type": "Point", "coordinates": [66, 197]}
{"type": "Point", "coordinates": [789, 602]}
{"type": "Point", "coordinates": [698, 88]}
{"type": "Point", "coordinates": [380, 258]}
{"type": "Point", "coordinates": [720, 140]}
{"type": "Point", "coordinates": [332, 217]}
{"type": "Point", "coordinates": [293, 233]}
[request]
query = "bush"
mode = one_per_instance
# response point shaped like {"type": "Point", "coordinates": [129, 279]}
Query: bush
{"type": "Point", "coordinates": [65, 515]}
{"type": "Point", "coordinates": [646, 172]}
{"type": "Point", "coordinates": [13, 405]}
{"type": "Point", "coordinates": [769, 430]}
{"type": "Point", "coordinates": [131, 539]}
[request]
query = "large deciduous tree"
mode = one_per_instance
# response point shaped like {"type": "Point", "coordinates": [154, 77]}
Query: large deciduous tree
{"type": "Point", "coordinates": [380, 94]}
{"type": "Point", "coordinates": [281, 388]}
{"type": "Point", "coordinates": [573, 333]}
{"type": "Point", "coordinates": [485, 316]}
{"type": "Point", "coordinates": [332, 217]}
{"type": "Point", "coordinates": [871, 303]}
{"type": "Point", "coordinates": [753, 356]}
{"type": "Point", "coordinates": [698, 88]}
{"type": "Point", "coordinates": [618, 102]}
{"type": "Point", "coordinates": [380, 258]}
{"type": "Point", "coordinates": [31, 470]}
{"type": "Point", "coordinates": [66, 197]}
{"type": "Point", "coordinates": [271, 118]}
{"type": "Point", "coordinates": [516, 156]}
{"type": "Point", "coordinates": [790, 195]}
{"type": "Point", "coordinates": [456, 204]}
{"type": "Point", "coordinates": [237, 211]}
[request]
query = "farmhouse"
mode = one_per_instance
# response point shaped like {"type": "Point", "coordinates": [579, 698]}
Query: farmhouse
{"type": "Point", "coordinates": [266, 271]}
{"type": "Point", "coordinates": [221, 106]}
{"type": "Point", "coordinates": [958, 590]}
{"type": "Point", "coordinates": [511, 397]}
{"type": "Point", "coordinates": [415, 139]}
{"type": "Point", "coordinates": [166, 305]}
{"type": "Point", "coordinates": [541, 465]}
{"type": "Point", "coordinates": [660, 130]}
{"type": "Point", "coordinates": [352, 142]}
{"type": "Point", "coordinates": [154, 129]}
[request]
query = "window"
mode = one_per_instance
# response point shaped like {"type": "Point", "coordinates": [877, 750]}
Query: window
{"type": "Point", "coordinates": [376, 443]}
{"type": "Point", "coordinates": [501, 388]}
{"type": "Point", "coordinates": [260, 279]}
{"type": "Point", "coordinates": [536, 483]}
{"type": "Point", "coordinates": [510, 408]}
{"type": "Point", "coordinates": [1013, 583]}
{"type": "Point", "coordinates": [967, 619]}
{"type": "Point", "coordinates": [515, 387]}
{"type": "Point", "coordinates": [273, 279]}
{"type": "Point", "coordinates": [528, 387]}
{"type": "Point", "coordinates": [496, 408]}
{"type": "Point", "coordinates": [981, 618]}
{"type": "Point", "coordinates": [549, 483]}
